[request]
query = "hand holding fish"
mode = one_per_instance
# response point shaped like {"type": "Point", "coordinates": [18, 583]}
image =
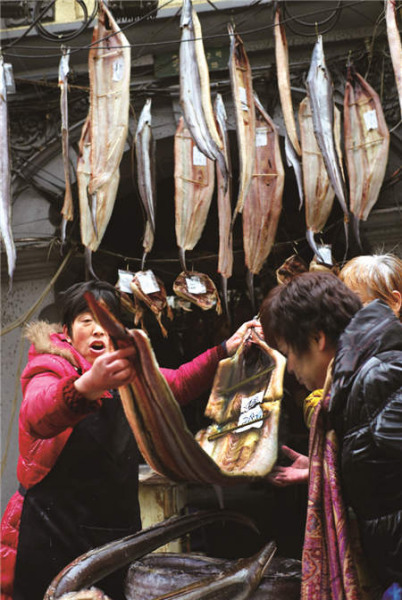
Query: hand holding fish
{"type": "Point", "coordinates": [297, 472]}
{"type": "Point", "coordinates": [109, 371]}
{"type": "Point", "coordinates": [234, 342]}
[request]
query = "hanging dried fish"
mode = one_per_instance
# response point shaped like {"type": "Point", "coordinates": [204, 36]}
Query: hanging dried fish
{"type": "Point", "coordinates": [282, 70]}
{"type": "Point", "coordinates": [395, 47]}
{"type": "Point", "coordinates": [194, 187]}
{"type": "Point", "coordinates": [293, 161]}
{"type": "Point", "coordinates": [145, 153]}
{"type": "Point", "coordinates": [199, 289]}
{"type": "Point", "coordinates": [67, 210]}
{"type": "Point", "coordinates": [105, 131]}
{"type": "Point", "coordinates": [245, 406]}
{"type": "Point", "coordinates": [150, 290]}
{"type": "Point", "coordinates": [318, 192]}
{"type": "Point", "coordinates": [242, 90]}
{"type": "Point", "coordinates": [366, 145]}
{"type": "Point", "coordinates": [224, 194]}
{"type": "Point", "coordinates": [320, 92]}
{"type": "Point", "coordinates": [263, 204]}
{"type": "Point", "coordinates": [195, 95]}
{"type": "Point", "coordinates": [5, 178]}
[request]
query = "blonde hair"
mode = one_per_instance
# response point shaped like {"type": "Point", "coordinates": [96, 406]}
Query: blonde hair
{"type": "Point", "coordinates": [377, 275]}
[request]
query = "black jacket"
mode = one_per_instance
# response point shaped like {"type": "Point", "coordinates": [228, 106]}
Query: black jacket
{"type": "Point", "coordinates": [366, 411]}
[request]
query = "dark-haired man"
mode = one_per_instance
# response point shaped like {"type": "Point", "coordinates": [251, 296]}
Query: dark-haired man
{"type": "Point", "coordinates": [313, 320]}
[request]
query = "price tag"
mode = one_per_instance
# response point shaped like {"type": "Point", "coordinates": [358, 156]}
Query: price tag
{"type": "Point", "coordinates": [251, 418]}
{"type": "Point", "coordinates": [325, 254]}
{"type": "Point", "coordinates": [195, 285]}
{"type": "Point", "coordinates": [251, 401]}
{"type": "Point", "coordinates": [243, 98]}
{"type": "Point", "coordinates": [199, 159]}
{"type": "Point", "coordinates": [370, 119]}
{"type": "Point", "coordinates": [9, 78]}
{"type": "Point", "coordinates": [125, 278]}
{"type": "Point", "coordinates": [148, 282]}
{"type": "Point", "coordinates": [261, 137]}
{"type": "Point", "coordinates": [118, 69]}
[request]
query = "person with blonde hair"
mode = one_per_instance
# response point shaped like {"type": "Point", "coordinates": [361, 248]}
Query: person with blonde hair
{"type": "Point", "coordinates": [375, 276]}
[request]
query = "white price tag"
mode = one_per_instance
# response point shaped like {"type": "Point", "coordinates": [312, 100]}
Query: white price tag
{"type": "Point", "coordinates": [118, 69]}
{"type": "Point", "coordinates": [199, 159]}
{"type": "Point", "coordinates": [261, 137]}
{"type": "Point", "coordinates": [370, 119]}
{"type": "Point", "coordinates": [125, 278]}
{"type": "Point", "coordinates": [148, 282]}
{"type": "Point", "coordinates": [251, 418]}
{"type": "Point", "coordinates": [325, 254]}
{"type": "Point", "coordinates": [195, 285]}
{"type": "Point", "coordinates": [251, 401]}
{"type": "Point", "coordinates": [243, 98]}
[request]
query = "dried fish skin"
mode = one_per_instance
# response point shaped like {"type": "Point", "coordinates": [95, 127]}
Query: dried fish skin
{"type": "Point", "coordinates": [144, 146]}
{"type": "Point", "coordinates": [247, 386]}
{"type": "Point", "coordinates": [5, 178]}
{"type": "Point", "coordinates": [366, 144]}
{"type": "Point", "coordinates": [242, 90]}
{"type": "Point", "coordinates": [320, 92]}
{"type": "Point", "coordinates": [194, 186]}
{"type": "Point", "coordinates": [282, 70]}
{"type": "Point", "coordinates": [199, 289]}
{"type": "Point", "coordinates": [395, 46]}
{"type": "Point", "coordinates": [263, 203]}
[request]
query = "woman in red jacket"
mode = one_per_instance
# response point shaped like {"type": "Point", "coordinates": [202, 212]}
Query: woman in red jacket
{"type": "Point", "coordinates": [78, 463]}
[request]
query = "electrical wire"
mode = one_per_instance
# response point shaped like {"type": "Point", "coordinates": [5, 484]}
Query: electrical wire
{"type": "Point", "coordinates": [44, 33]}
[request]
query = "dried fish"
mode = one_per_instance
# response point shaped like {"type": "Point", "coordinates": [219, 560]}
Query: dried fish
{"type": "Point", "coordinates": [318, 192]}
{"type": "Point", "coordinates": [242, 90]}
{"type": "Point", "coordinates": [293, 161]}
{"type": "Point", "coordinates": [282, 70]}
{"type": "Point", "coordinates": [195, 98]}
{"type": "Point", "coordinates": [105, 131]}
{"type": "Point", "coordinates": [146, 174]}
{"type": "Point", "coordinates": [5, 178]}
{"type": "Point", "coordinates": [320, 92]}
{"type": "Point", "coordinates": [194, 187]}
{"type": "Point", "coordinates": [68, 206]}
{"type": "Point", "coordinates": [263, 203]}
{"type": "Point", "coordinates": [245, 406]}
{"type": "Point", "coordinates": [100, 562]}
{"type": "Point", "coordinates": [366, 145]}
{"type": "Point", "coordinates": [198, 289]}
{"type": "Point", "coordinates": [225, 259]}
{"type": "Point", "coordinates": [150, 290]}
{"type": "Point", "coordinates": [395, 47]}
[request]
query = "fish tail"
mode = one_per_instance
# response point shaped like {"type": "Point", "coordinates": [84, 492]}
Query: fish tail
{"type": "Point", "coordinates": [313, 245]}
{"type": "Point", "coordinates": [144, 256]}
{"type": "Point", "coordinates": [182, 257]}
{"type": "Point", "coordinates": [88, 263]}
{"type": "Point", "coordinates": [250, 287]}
{"type": "Point", "coordinates": [224, 281]}
{"type": "Point", "coordinates": [356, 230]}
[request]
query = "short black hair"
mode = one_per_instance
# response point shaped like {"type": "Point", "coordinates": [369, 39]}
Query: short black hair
{"type": "Point", "coordinates": [309, 303]}
{"type": "Point", "coordinates": [73, 302]}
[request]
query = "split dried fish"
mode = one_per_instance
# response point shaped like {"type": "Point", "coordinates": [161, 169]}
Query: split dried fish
{"type": "Point", "coordinates": [67, 210]}
{"type": "Point", "coordinates": [145, 154]}
{"type": "Point", "coordinates": [199, 289]}
{"type": "Point", "coordinates": [320, 92]}
{"type": "Point", "coordinates": [366, 145]}
{"type": "Point", "coordinates": [224, 198]}
{"type": "Point", "coordinates": [395, 47]}
{"type": "Point", "coordinates": [194, 186]}
{"type": "Point", "coordinates": [5, 178]}
{"type": "Point", "coordinates": [318, 192]}
{"type": "Point", "coordinates": [282, 70]}
{"type": "Point", "coordinates": [195, 95]}
{"type": "Point", "coordinates": [263, 203]}
{"type": "Point", "coordinates": [150, 290]}
{"type": "Point", "coordinates": [243, 99]}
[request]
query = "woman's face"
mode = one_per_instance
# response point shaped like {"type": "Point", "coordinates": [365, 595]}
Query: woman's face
{"type": "Point", "coordinates": [88, 338]}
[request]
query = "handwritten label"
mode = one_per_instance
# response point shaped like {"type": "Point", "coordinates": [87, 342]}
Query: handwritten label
{"type": "Point", "coordinates": [125, 278]}
{"type": "Point", "coordinates": [370, 119]}
{"type": "Point", "coordinates": [148, 282]}
{"type": "Point", "coordinates": [195, 285]}
{"type": "Point", "coordinates": [199, 159]}
{"type": "Point", "coordinates": [118, 69]}
{"type": "Point", "coordinates": [243, 98]}
{"type": "Point", "coordinates": [251, 418]}
{"type": "Point", "coordinates": [261, 137]}
{"type": "Point", "coordinates": [251, 401]}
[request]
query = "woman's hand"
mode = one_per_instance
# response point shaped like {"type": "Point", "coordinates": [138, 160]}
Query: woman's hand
{"type": "Point", "coordinates": [234, 342]}
{"type": "Point", "coordinates": [297, 472]}
{"type": "Point", "coordinates": [109, 371]}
